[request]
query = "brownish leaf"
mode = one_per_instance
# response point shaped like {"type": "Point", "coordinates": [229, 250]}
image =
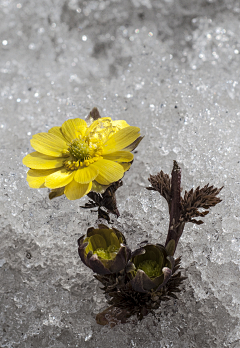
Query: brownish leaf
{"type": "Point", "coordinates": [198, 199]}
{"type": "Point", "coordinates": [161, 183]}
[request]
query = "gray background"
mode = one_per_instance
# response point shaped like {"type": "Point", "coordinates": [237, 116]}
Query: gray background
{"type": "Point", "coordinates": [169, 67]}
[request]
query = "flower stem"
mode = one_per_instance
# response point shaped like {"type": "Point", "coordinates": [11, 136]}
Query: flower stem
{"type": "Point", "coordinates": [175, 226]}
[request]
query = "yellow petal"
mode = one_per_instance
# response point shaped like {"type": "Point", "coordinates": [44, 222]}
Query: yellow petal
{"type": "Point", "coordinates": [126, 166]}
{"type": "Point", "coordinates": [89, 188]}
{"type": "Point", "coordinates": [74, 190]}
{"type": "Point", "coordinates": [119, 156]}
{"type": "Point", "coordinates": [96, 187]}
{"type": "Point", "coordinates": [133, 146]}
{"type": "Point", "coordinates": [72, 128]}
{"type": "Point", "coordinates": [36, 178]}
{"type": "Point", "coordinates": [60, 178]}
{"type": "Point", "coordinates": [37, 160]}
{"type": "Point", "coordinates": [86, 174]}
{"type": "Point", "coordinates": [57, 131]}
{"type": "Point", "coordinates": [121, 139]}
{"type": "Point", "coordinates": [109, 171]}
{"type": "Point", "coordinates": [56, 192]}
{"type": "Point", "coordinates": [120, 124]}
{"type": "Point", "coordinates": [98, 241]}
{"type": "Point", "coordinates": [49, 144]}
{"type": "Point", "coordinates": [98, 124]}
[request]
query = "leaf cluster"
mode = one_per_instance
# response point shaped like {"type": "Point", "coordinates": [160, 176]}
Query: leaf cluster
{"type": "Point", "coordinates": [125, 301]}
{"type": "Point", "coordinates": [195, 203]}
{"type": "Point", "coordinates": [105, 200]}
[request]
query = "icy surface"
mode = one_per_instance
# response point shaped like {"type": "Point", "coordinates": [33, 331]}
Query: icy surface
{"type": "Point", "coordinates": [170, 67]}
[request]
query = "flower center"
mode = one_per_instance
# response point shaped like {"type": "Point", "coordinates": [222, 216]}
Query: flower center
{"type": "Point", "coordinates": [150, 267]}
{"type": "Point", "coordinates": [79, 150]}
{"type": "Point", "coordinates": [107, 254]}
{"type": "Point", "coordinates": [83, 152]}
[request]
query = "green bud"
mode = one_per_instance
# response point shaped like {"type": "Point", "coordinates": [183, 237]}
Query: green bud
{"type": "Point", "coordinates": [150, 268]}
{"type": "Point", "coordinates": [104, 250]}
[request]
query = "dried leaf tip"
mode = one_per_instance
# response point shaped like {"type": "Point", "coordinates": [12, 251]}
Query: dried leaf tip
{"type": "Point", "coordinates": [176, 166]}
{"type": "Point", "coordinates": [93, 115]}
{"type": "Point", "coordinates": [161, 183]}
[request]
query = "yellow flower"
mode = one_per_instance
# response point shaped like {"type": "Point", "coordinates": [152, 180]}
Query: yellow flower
{"type": "Point", "coordinates": [75, 158]}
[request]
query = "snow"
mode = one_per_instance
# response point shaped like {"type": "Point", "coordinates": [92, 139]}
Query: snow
{"type": "Point", "coordinates": [169, 67]}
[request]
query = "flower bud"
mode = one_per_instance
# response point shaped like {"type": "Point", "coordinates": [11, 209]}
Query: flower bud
{"type": "Point", "coordinates": [104, 250]}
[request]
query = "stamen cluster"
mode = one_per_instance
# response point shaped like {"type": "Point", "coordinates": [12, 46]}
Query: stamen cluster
{"type": "Point", "coordinates": [79, 150]}
{"type": "Point", "coordinates": [83, 153]}
{"type": "Point", "coordinates": [150, 267]}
